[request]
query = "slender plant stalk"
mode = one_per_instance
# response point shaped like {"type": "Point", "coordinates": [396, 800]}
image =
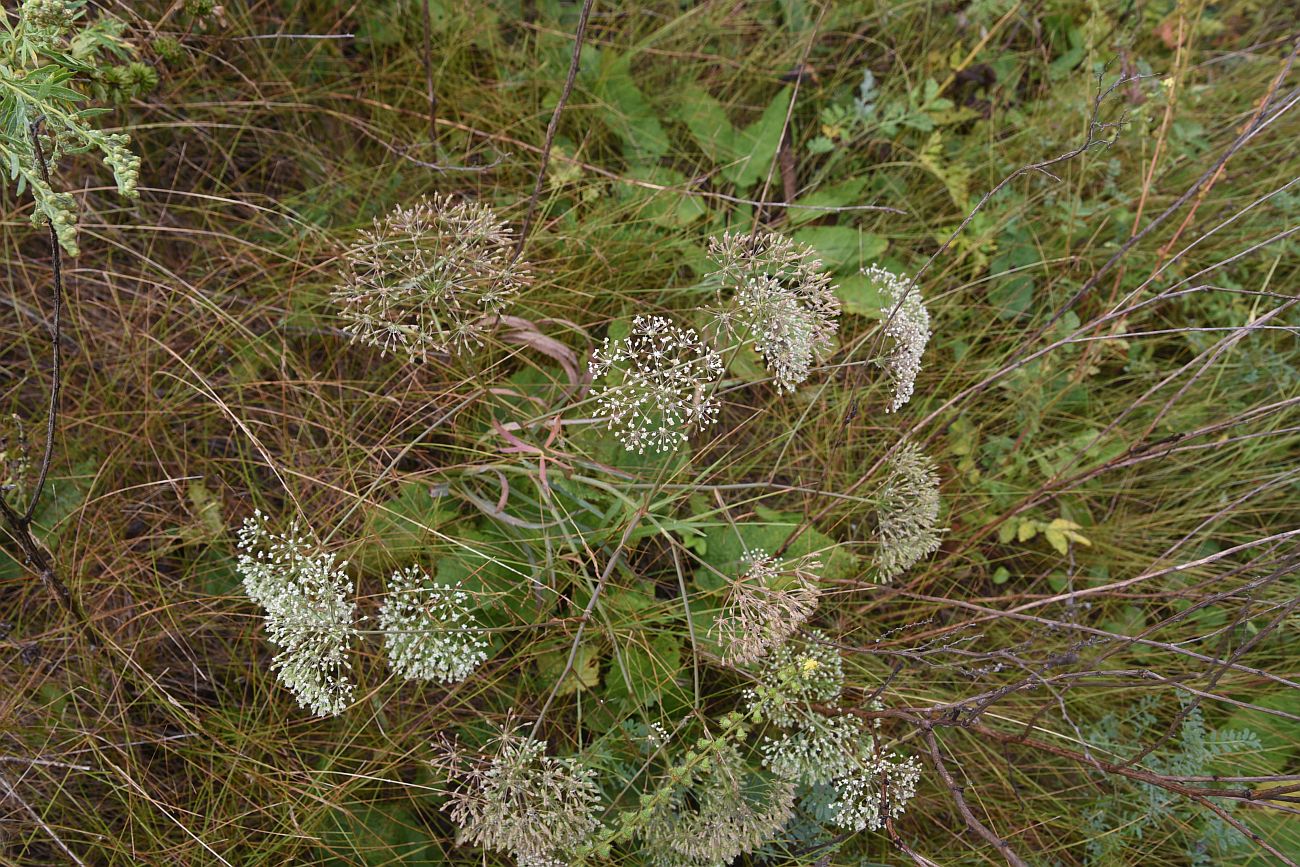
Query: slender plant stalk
{"type": "Point", "coordinates": [36, 555]}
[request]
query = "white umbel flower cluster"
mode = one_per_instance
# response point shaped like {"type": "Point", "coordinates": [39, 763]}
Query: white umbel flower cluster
{"type": "Point", "coordinates": [795, 676]}
{"type": "Point", "coordinates": [908, 512]}
{"type": "Point", "coordinates": [521, 801]}
{"type": "Point", "coordinates": [429, 632]}
{"type": "Point", "coordinates": [819, 750]}
{"type": "Point", "coordinates": [878, 790]}
{"type": "Point", "coordinates": [907, 324]}
{"type": "Point", "coordinates": [839, 750]}
{"type": "Point", "coordinates": [426, 279]}
{"type": "Point", "coordinates": [309, 615]}
{"type": "Point", "coordinates": [766, 605]}
{"type": "Point", "coordinates": [665, 393]}
{"type": "Point", "coordinates": [781, 299]}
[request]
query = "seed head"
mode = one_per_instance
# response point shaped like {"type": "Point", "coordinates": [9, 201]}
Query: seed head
{"type": "Point", "coordinates": [907, 325]}
{"type": "Point", "coordinates": [908, 512]}
{"type": "Point", "coordinates": [774, 292]}
{"type": "Point", "coordinates": [766, 605]}
{"type": "Point", "coordinates": [428, 278]}
{"type": "Point", "coordinates": [53, 17]}
{"type": "Point", "coordinates": [726, 811]}
{"type": "Point", "coordinates": [516, 799]}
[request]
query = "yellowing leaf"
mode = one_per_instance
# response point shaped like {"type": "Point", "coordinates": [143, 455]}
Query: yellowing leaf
{"type": "Point", "coordinates": [952, 174]}
{"type": "Point", "coordinates": [206, 507]}
{"type": "Point", "coordinates": [1057, 539]}
{"type": "Point", "coordinates": [1069, 530]}
{"type": "Point", "coordinates": [1028, 530]}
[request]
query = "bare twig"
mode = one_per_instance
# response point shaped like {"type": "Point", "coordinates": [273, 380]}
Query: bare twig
{"type": "Point", "coordinates": [11, 792]}
{"type": "Point", "coordinates": [551, 128]}
{"type": "Point", "coordinates": [428, 74]}
{"type": "Point", "coordinates": [959, 799]}
{"type": "Point", "coordinates": [56, 346]}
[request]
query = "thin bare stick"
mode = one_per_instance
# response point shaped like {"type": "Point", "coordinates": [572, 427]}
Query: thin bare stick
{"type": "Point", "coordinates": [428, 75]}
{"type": "Point", "coordinates": [35, 554]}
{"type": "Point", "coordinates": [10, 791]}
{"type": "Point", "coordinates": [956, 790]}
{"type": "Point", "coordinates": [56, 346]}
{"type": "Point", "coordinates": [554, 126]}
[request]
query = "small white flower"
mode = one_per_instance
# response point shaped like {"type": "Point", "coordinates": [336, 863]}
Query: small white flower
{"type": "Point", "coordinates": [429, 632]}
{"type": "Point", "coordinates": [818, 750]}
{"type": "Point", "coordinates": [907, 324]}
{"type": "Point", "coordinates": [427, 278]}
{"type": "Point", "coordinates": [781, 299]}
{"type": "Point", "coordinates": [657, 736]}
{"type": "Point", "coordinates": [309, 616]}
{"type": "Point", "coordinates": [666, 390]}
{"type": "Point", "coordinates": [876, 791]}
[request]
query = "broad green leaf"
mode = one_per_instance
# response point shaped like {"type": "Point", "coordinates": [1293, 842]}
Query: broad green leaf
{"type": "Point", "coordinates": [401, 528]}
{"type": "Point", "coordinates": [1011, 291]}
{"type": "Point", "coordinates": [767, 531]}
{"type": "Point", "coordinates": [859, 294]}
{"type": "Point", "coordinates": [584, 675]}
{"type": "Point", "coordinates": [60, 500]}
{"type": "Point", "coordinates": [667, 207]}
{"type": "Point", "coordinates": [498, 575]}
{"type": "Point", "coordinates": [755, 146]}
{"type": "Point", "coordinates": [641, 673]}
{"type": "Point", "coordinates": [842, 248]}
{"type": "Point", "coordinates": [630, 602]}
{"type": "Point", "coordinates": [839, 195]}
{"type": "Point", "coordinates": [213, 572]}
{"type": "Point", "coordinates": [627, 112]}
{"type": "Point", "coordinates": [377, 834]}
{"type": "Point", "coordinates": [707, 120]}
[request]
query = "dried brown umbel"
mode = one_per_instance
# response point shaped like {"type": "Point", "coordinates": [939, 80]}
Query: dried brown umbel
{"type": "Point", "coordinates": [429, 279]}
{"type": "Point", "coordinates": [765, 605]}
